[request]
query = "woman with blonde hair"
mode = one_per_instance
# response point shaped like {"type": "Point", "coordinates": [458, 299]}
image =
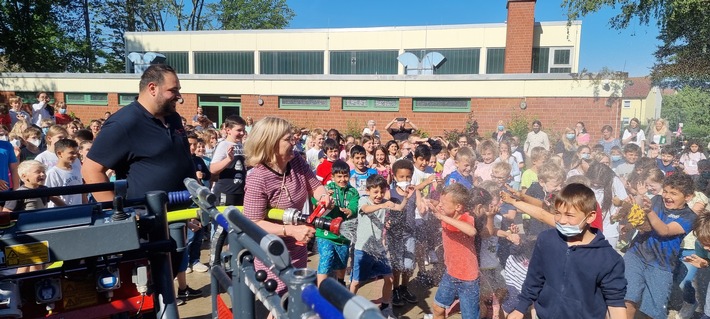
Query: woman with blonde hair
{"type": "Point", "coordinates": [659, 133]}
{"type": "Point", "coordinates": [567, 143]}
{"type": "Point", "coordinates": [279, 179]}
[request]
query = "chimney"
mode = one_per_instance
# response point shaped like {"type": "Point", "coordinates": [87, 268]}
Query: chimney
{"type": "Point", "coordinates": [519, 36]}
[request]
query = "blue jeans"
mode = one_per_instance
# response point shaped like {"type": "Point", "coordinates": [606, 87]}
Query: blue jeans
{"type": "Point", "coordinates": [648, 287]}
{"type": "Point", "coordinates": [467, 292]}
{"type": "Point", "coordinates": [194, 245]}
{"type": "Point", "coordinates": [686, 285]}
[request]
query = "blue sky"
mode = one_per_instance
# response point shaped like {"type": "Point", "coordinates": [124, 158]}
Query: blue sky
{"type": "Point", "coordinates": [629, 50]}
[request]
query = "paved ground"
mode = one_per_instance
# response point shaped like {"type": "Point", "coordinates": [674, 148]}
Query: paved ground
{"type": "Point", "coordinates": [201, 307]}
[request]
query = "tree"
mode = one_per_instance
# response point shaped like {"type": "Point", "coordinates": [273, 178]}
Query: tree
{"type": "Point", "coordinates": [690, 106]}
{"type": "Point", "coordinates": [252, 14]}
{"type": "Point", "coordinates": [683, 58]}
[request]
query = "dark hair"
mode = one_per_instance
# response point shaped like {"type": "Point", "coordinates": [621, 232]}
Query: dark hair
{"type": "Point", "coordinates": [40, 93]}
{"type": "Point", "coordinates": [469, 199]}
{"type": "Point", "coordinates": [357, 149]}
{"type": "Point", "coordinates": [376, 181]}
{"type": "Point", "coordinates": [584, 127]}
{"type": "Point", "coordinates": [191, 135]}
{"type": "Point", "coordinates": [65, 143]}
{"type": "Point", "coordinates": [452, 145]}
{"type": "Point", "coordinates": [680, 181]}
{"type": "Point", "coordinates": [422, 151]}
{"type": "Point", "coordinates": [704, 165]}
{"type": "Point", "coordinates": [233, 120]}
{"type": "Point", "coordinates": [668, 150]}
{"type": "Point", "coordinates": [84, 135]}
{"type": "Point", "coordinates": [338, 136]}
{"type": "Point", "coordinates": [340, 167]}
{"type": "Point", "coordinates": [330, 144]}
{"type": "Point", "coordinates": [387, 146]}
{"type": "Point", "coordinates": [695, 142]}
{"type": "Point", "coordinates": [537, 122]}
{"type": "Point", "coordinates": [402, 164]}
{"type": "Point", "coordinates": [578, 196]}
{"type": "Point", "coordinates": [607, 128]}
{"type": "Point", "coordinates": [156, 74]}
{"type": "Point", "coordinates": [632, 148]}
{"type": "Point", "coordinates": [601, 176]}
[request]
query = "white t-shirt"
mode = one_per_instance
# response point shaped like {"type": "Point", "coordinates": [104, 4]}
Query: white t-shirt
{"type": "Point", "coordinates": [313, 157]}
{"type": "Point", "coordinates": [50, 160]}
{"type": "Point", "coordinates": [489, 247]}
{"type": "Point", "coordinates": [367, 131]}
{"type": "Point", "coordinates": [57, 177]}
{"type": "Point", "coordinates": [417, 178]}
{"type": "Point", "coordinates": [617, 190]}
{"type": "Point", "coordinates": [640, 137]}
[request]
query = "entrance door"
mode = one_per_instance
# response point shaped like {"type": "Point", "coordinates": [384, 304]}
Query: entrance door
{"type": "Point", "coordinates": [219, 107]}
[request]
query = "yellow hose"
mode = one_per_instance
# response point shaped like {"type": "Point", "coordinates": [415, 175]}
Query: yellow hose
{"type": "Point", "coordinates": [185, 214]}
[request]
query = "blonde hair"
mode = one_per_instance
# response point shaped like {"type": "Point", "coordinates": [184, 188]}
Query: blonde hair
{"type": "Point", "coordinates": [539, 153]}
{"type": "Point", "coordinates": [578, 196]}
{"type": "Point", "coordinates": [19, 128]}
{"type": "Point", "coordinates": [502, 168]}
{"type": "Point", "coordinates": [48, 122]}
{"type": "Point", "coordinates": [466, 153]}
{"type": "Point", "coordinates": [25, 167]}
{"type": "Point", "coordinates": [260, 147]}
{"type": "Point", "coordinates": [15, 99]}
{"type": "Point", "coordinates": [55, 130]}
{"type": "Point", "coordinates": [551, 172]}
{"type": "Point", "coordinates": [663, 130]}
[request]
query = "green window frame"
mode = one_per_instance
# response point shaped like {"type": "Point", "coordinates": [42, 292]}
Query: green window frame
{"type": "Point", "coordinates": [125, 99]}
{"type": "Point", "coordinates": [291, 62]}
{"type": "Point", "coordinates": [441, 105]}
{"type": "Point", "coordinates": [86, 98]}
{"type": "Point", "coordinates": [370, 104]}
{"type": "Point", "coordinates": [230, 62]}
{"type": "Point", "coordinates": [458, 61]}
{"type": "Point", "coordinates": [495, 61]}
{"type": "Point", "coordinates": [31, 97]}
{"type": "Point", "coordinates": [304, 103]}
{"type": "Point", "coordinates": [363, 62]}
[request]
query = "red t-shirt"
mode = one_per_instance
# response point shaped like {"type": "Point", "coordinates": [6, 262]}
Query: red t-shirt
{"type": "Point", "coordinates": [598, 222]}
{"type": "Point", "coordinates": [324, 171]}
{"type": "Point", "coordinates": [459, 251]}
{"type": "Point", "coordinates": [62, 119]}
{"type": "Point", "coordinates": [5, 120]}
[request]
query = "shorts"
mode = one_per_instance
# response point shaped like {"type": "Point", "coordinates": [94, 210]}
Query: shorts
{"type": "Point", "coordinates": [401, 249]}
{"type": "Point", "coordinates": [332, 256]}
{"type": "Point", "coordinates": [428, 232]}
{"type": "Point", "coordinates": [492, 282]}
{"type": "Point", "coordinates": [648, 287]}
{"type": "Point", "coordinates": [366, 266]}
{"type": "Point", "coordinates": [466, 291]}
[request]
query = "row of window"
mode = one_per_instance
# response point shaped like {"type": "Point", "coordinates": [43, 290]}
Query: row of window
{"type": "Point", "coordinates": [458, 61]}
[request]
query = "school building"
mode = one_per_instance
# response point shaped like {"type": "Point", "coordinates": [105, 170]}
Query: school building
{"type": "Point", "coordinates": [434, 75]}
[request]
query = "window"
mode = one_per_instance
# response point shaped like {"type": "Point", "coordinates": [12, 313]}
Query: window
{"type": "Point", "coordinates": [86, 98]}
{"type": "Point", "coordinates": [458, 61]}
{"type": "Point", "coordinates": [370, 104]}
{"type": "Point", "coordinates": [627, 103]}
{"type": "Point", "coordinates": [241, 62]}
{"type": "Point", "coordinates": [363, 62]}
{"type": "Point", "coordinates": [442, 105]}
{"type": "Point", "coordinates": [495, 61]}
{"type": "Point", "coordinates": [31, 97]}
{"type": "Point", "coordinates": [291, 62]}
{"type": "Point", "coordinates": [305, 103]}
{"type": "Point", "coordinates": [125, 99]}
{"type": "Point", "coordinates": [177, 60]}
{"type": "Point", "coordinates": [552, 60]}
{"type": "Point", "coordinates": [625, 121]}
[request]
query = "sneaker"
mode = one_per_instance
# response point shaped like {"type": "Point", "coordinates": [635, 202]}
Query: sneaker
{"type": "Point", "coordinates": [687, 310]}
{"type": "Point", "coordinates": [388, 313]}
{"type": "Point", "coordinates": [397, 298]}
{"type": "Point", "coordinates": [188, 270]}
{"type": "Point", "coordinates": [179, 301]}
{"type": "Point", "coordinates": [200, 267]}
{"type": "Point", "coordinates": [189, 292]}
{"type": "Point", "coordinates": [406, 295]}
{"type": "Point", "coordinates": [429, 316]}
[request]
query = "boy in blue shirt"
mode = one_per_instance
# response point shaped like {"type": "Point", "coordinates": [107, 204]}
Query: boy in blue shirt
{"type": "Point", "coordinates": [573, 272]}
{"type": "Point", "coordinates": [666, 162]}
{"type": "Point", "coordinates": [654, 255]}
{"type": "Point", "coordinates": [361, 172]}
{"type": "Point", "coordinates": [332, 248]}
{"type": "Point", "coordinates": [465, 161]}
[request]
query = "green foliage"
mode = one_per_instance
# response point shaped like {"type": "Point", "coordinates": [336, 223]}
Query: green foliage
{"type": "Point", "coordinates": [683, 57]}
{"type": "Point", "coordinates": [690, 106]}
{"type": "Point", "coordinates": [353, 128]}
{"type": "Point", "coordinates": [470, 128]}
{"type": "Point", "coordinates": [519, 126]}
{"type": "Point", "coordinates": [422, 134]}
{"type": "Point", "coordinates": [252, 14]}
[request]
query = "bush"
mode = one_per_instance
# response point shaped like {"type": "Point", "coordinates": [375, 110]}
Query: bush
{"type": "Point", "coordinates": [353, 128]}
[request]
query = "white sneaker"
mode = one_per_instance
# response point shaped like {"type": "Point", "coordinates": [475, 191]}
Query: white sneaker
{"type": "Point", "coordinates": [388, 313]}
{"type": "Point", "coordinates": [200, 267]}
{"type": "Point", "coordinates": [428, 316]}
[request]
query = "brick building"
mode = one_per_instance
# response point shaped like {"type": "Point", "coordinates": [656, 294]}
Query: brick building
{"type": "Point", "coordinates": [343, 77]}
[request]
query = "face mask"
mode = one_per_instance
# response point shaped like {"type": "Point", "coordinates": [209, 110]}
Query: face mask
{"type": "Point", "coordinates": [3, 137]}
{"type": "Point", "coordinates": [616, 158]}
{"type": "Point", "coordinates": [44, 130]}
{"type": "Point", "coordinates": [500, 127]}
{"type": "Point", "coordinates": [15, 143]}
{"type": "Point", "coordinates": [403, 185]}
{"type": "Point", "coordinates": [585, 156]}
{"type": "Point", "coordinates": [35, 142]}
{"type": "Point", "coordinates": [570, 136]}
{"type": "Point", "coordinates": [62, 111]}
{"type": "Point", "coordinates": [569, 230]}
{"type": "Point", "coordinates": [441, 161]}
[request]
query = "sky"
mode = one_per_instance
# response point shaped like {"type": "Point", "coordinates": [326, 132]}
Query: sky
{"type": "Point", "coordinates": [630, 50]}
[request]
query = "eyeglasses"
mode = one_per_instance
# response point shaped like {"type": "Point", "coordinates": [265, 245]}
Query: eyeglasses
{"type": "Point", "coordinates": [500, 178]}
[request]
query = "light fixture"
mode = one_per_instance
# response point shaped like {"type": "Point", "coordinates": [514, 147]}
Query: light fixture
{"type": "Point", "coordinates": [260, 101]}
{"type": "Point", "coordinates": [523, 104]}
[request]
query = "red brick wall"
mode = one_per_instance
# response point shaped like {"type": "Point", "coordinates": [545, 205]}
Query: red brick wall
{"type": "Point", "coordinates": [519, 36]}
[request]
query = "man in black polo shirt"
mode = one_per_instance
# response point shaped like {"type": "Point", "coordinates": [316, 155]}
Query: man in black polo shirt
{"type": "Point", "coordinates": [144, 142]}
{"type": "Point", "coordinates": [399, 132]}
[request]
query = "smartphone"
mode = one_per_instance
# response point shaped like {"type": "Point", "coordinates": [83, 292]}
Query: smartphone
{"type": "Point", "coordinates": [402, 119]}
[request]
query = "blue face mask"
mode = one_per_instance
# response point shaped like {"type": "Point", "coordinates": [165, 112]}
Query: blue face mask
{"type": "Point", "coordinates": [570, 230]}
{"type": "Point", "coordinates": [585, 156]}
{"type": "Point", "coordinates": [62, 111]}
{"type": "Point", "coordinates": [615, 158]}
{"type": "Point", "coordinates": [570, 136]}
{"type": "Point", "coordinates": [44, 130]}
{"type": "Point", "coordinates": [501, 127]}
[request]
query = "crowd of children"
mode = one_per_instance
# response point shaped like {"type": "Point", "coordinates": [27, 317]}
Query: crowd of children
{"type": "Point", "coordinates": [588, 231]}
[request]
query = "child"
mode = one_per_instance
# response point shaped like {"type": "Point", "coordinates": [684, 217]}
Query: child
{"type": "Point", "coordinates": [632, 153]}
{"type": "Point", "coordinates": [382, 163]}
{"type": "Point", "coordinates": [400, 234]}
{"type": "Point", "coordinates": [84, 148]}
{"type": "Point", "coordinates": [324, 170]}
{"type": "Point", "coordinates": [64, 173]}
{"type": "Point", "coordinates": [701, 229]}
{"type": "Point", "coordinates": [607, 186]}
{"type": "Point", "coordinates": [538, 156]}
{"type": "Point", "coordinates": [228, 163]}
{"type": "Point", "coordinates": [392, 151]}
{"type": "Point", "coordinates": [616, 157]}
{"type": "Point", "coordinates": [32, 174]}
{"type": "Point", "coordinates": [368, 143]}
{"type": "Point", "coordinates": [360, 172]}
{"type": "Point", "coordinates": [15, 111]}
{"type": "Point", "coordinates": [550, 179]}
{"type": "Point", "coordinates": [315, 153]}
{"type": "Point", "coordinates": [506, 157]}
{"type": "Point", "coordinates": [489, 152]}
{"type": "Point", "coordinates": [573, 272]}
{"type": "Point", "coordinates": [458, 231]}
{"type": "Point", "coordinates": [665, 163]}
{"type": "Point", "coordinates": [465, 164]}
{"type": "Point", "coordinates": [332, 248]}
{"type": "Point", "coordinates": [200, 154]}
{"type": "Point", "coordinates": [654, 255]}
{"type": "Point", "coordinates": [202, 170]}
{"type": "Point", "coordinates": [422, 179]}
{"type": "Point", "coordinates": [31, 139]}
{"type": "Point", "coordinates": [690, 159]}
{"type": "Point", "coordinates": [370, 258]}
{"type": "Point", "coordinates": [449, 164]}
{"type": "Point", "coordinates": [49, 157]}
{"type": "Point", "coordinates": [653, 150]}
